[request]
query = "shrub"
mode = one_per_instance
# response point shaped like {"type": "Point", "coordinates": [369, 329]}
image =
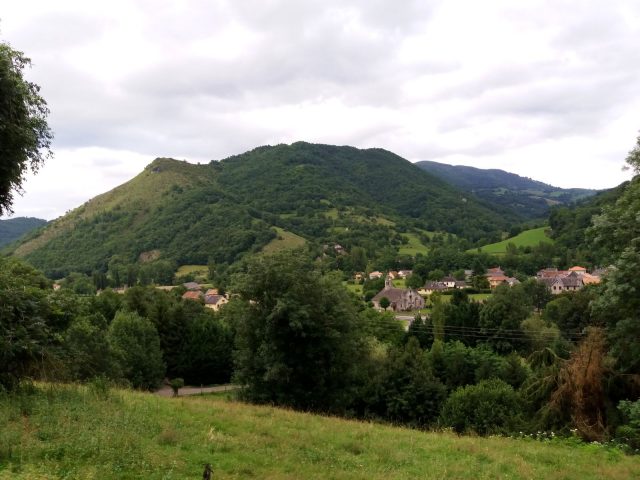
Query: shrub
{"type": "Point", "coordinates": [629, 433]}
{"type": "Point", "coordinates": [491, 406]}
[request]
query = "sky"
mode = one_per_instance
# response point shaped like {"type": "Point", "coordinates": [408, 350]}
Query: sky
{"type": "Point", "coordinates": [545, 89]}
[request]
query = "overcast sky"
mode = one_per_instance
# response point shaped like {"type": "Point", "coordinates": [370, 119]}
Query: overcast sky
{"type": "Point", "coordinates": [545, 89]}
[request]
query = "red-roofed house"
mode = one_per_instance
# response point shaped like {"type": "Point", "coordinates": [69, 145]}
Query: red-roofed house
{"type": "Point", "coordinates": [192, 295]}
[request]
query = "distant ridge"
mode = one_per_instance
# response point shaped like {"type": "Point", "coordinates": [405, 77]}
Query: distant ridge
{"type": "Point", "coordinates": [14, 228]}
{"type": "Point", "coordinates": [528, 198]}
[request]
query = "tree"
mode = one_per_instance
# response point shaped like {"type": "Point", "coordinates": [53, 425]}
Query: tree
{"type": "Point", "coordinates": [384, 303]}
{"type": "Point", "coordinates": [408, 391]}
{"type": "Point", "coordinates": [633, 159]}
{"type": "Point", "coordinates": [298, 341]}
{"type": "Point", "coordinates": [25, 136]}
{"type": "Point", "coordinates": [25, 335]}
{"type": "Point", "coordinates": [88, 351]}
{"type": "Point", "coordinates": [136, 345]}
{"type": "Point", "coordinates": [501, 316]}
{"type": "Point", "coordinates": [414, 281]}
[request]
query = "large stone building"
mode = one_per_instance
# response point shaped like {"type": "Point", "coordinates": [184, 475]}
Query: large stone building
{"type": "Point", "coordinates": [559, 281]}
{"type": "Point", "coordinates": [400, 299]}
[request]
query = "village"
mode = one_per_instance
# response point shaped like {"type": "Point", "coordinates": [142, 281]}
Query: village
{"type": "Point", "coordinates": [398, 299]}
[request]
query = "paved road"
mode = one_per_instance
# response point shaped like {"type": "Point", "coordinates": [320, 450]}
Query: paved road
{"type": "Point", "coordinates": [167, 392]}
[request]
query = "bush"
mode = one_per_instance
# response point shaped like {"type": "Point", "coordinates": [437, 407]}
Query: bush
{"type": "Point", "coordinates": [491, 406]}
{"type": "Point", "coordinates": [629, 433]}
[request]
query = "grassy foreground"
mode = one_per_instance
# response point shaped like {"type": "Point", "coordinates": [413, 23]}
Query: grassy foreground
{"type": "Point", "coordinates": [74, 432]}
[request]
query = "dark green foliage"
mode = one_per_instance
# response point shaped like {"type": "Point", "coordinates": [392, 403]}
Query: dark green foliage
{"type": "Point", "coordinates": [571, 312]}
{"type": "Point", "coordinates": [297, 338]}
{"type": "Point", "coordinates": [107, 304]}
{"type": "Point", "coordinates": [569, 228]}
{"type": "Point", "coordinates": [462, 318]}
{"type": "Point", "coordinates": [501, 316]}
{"type": "Point", "coordinates": [617, 231]}
{"type": "Point", "coordinates": [176, 384]}
{"type": "Point", "coordinates": [382, 325]}
{"type": "Point", "coordinates": [406, 390]}
{"type": "Point", "coordinates": [79, 283]}
{"type": "Point", "coordinates": [25, 331]}
{"type": "Point", "coordinates": [490, 407]}
{"type": "Point", "coordinates": [14, 228]}
{"type": "Point", "coordinates": [414, 281]}
{"type": "Point", "coordinates": [136, 346]}
{"type": "Point", "coordinates": [420, 328]}
{"type": "Point", "coordinates": [619, 306]}
{"type": "Point", "coordinates": [384, 303]}
{"type": "Point", "coordinates": [629, 431]}
{"type": "Point", "coordinates": [88, 353]}
{"type": "Point", "coordinates": [206, 355]}
{"type": "Point", "coordinates": [25, 136]}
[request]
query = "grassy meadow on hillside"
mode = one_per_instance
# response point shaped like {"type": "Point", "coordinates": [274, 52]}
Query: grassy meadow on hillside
{"type": "Point", "coordinates": [78, 432]}
{"type": "Point", "coordinates": [528, 238]}
{"type": "Point", "coordinates": [284, 240]}
{"type": "Point", "coordinates": [414, 245]}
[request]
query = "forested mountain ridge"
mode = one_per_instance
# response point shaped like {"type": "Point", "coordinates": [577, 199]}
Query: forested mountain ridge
{"type": "Point", "coordinates": [14, 228]}
{"type": "Point", "coordinates": [219, 212]}
{"type": "Point", "coordinates": [528, 198]}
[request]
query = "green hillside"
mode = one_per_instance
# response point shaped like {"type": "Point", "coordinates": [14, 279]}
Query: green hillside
{"type": "Point", "coordinates": [221, 212]}
{"type": "Point", "coordinates": [528, 238]}
{"type": "Point", "coordinates": [86, 433]}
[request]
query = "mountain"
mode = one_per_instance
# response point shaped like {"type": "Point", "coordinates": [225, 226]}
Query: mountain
{"type": "Point", "coordinates": [527, 198]}
{"type": "Point", "coordinates": [14, 228]}
{"type": "Point", "coordinates": [195, 214]}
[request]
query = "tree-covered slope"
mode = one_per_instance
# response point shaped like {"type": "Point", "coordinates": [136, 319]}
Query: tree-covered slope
{"type": "Point", "coordinates": [14, 228]}
{"type": "Point", "coordinates": [528, 198]}
{"type": "Point", "coordinates": [195, 214]}
{"type": "Point", "coordinates": [305, 178]}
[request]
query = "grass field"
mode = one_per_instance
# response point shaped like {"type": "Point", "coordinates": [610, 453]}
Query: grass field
{"type": "Point", "coordinates": [72, 433]}
{"type": "Point", "coordinates": [414, 246]}
{"type": "Point", "coordinates": [201, 271]}
{"type": "Point", "coordinates": [528, 238]}
{"type": "Point", "coordinates": [283, 241]}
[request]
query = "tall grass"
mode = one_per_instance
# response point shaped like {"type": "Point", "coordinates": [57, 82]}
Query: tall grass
{"type": "Point", "coordinates": [77, 432]}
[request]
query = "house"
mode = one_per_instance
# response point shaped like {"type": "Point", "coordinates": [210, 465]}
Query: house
{"type": "Point", "coordinates": [578, 270]}
{"type": "Point", "coordinates": [339, 249]}
{"type": "Point", "coordinates": [374, 275]}
{"type": "Point", "coordinates": [358, 277]}
{"type": "Point", "coordinates": [405, 273]}
{"type": "Point", "coordinates": [400, 299]}
{"type": "Point", "coordinates": [449, 281]}
{"type": "Point", "coordinates": [497, 280]}
{"type": "Point", "coordinates": [460, 284]}
{"type": "Point", "coordinates": [192, 295]}
{"type": "Point", "coordinates": [431, 287]}
{"type": "Point", "coordinates": [559, 281]}
{"type": "Point", "coordinates": [590, 279]}
{"type": "Point", "coordinates": [215, 301]}
{"type": "Point", "coordinates": [191, 286]}
{"type": "Point", "coordinates": [468, 274]}
{"type": "Point", "coordinates": [212, 291]}
{"type": "Point", "coordinates": [496, 276]}
{"type": "Point", "coordinates": [393, 274]}
{"type": "Point", "coordinates": [496, 271]}
{"type": "Point", "coordinates": [563, 282]}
